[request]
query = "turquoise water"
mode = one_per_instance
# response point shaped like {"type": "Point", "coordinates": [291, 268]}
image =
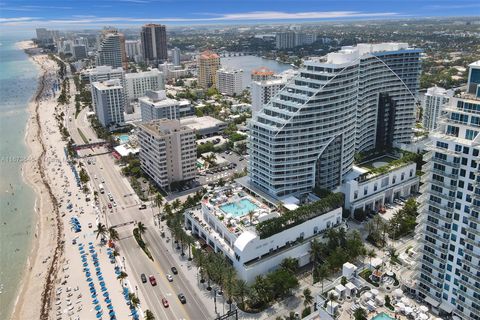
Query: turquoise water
{"type": "Point", "coordinates": [123, 138]}
{"type": "Point", "coordinates": [240, 208]}
{"type": "Point", "coordinates": [382, 316]}
{"type": "Point", "coordinates": [248, 63]}
{"type": "Point", "coordinates": [18, 83]}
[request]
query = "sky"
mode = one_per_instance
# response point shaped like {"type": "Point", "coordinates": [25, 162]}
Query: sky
{"type": "Point", "coordinates": [78, 14]}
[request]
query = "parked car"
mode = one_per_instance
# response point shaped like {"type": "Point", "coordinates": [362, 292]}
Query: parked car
{"type": "Point", "coordinates": [174, 270]}
{"type": "Point", "coordinates": [142, 206]}
{"type": "Point", "coordinates": [153, 281]}
{"type": "Point", "coordinates": [169, 277]}
{"type": "Point", "coordinates": [143, 277]}
{"type": "Point", "coordinates": [109, 206]}
{"type": "Point", "coordinates": [182, 298]}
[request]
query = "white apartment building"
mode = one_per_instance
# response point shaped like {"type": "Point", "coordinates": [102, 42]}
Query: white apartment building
{"type": "Point", "coordinates": [176, 55]}
{"type": "Point", "coordinates": [223, 222]}
{"type": "Point", "coordinates": [263, 91]}
{"type": "Point", "coordinates": [168, 152]}
{"type": "Point", "coordinates": [448, 275]}
{"type": "Point", "coordinates": [111, 51]}
{"type": "Point", "coordinates": [138, 83]}
{"type": "Point", "coordinates": [357, 99]}
{"type": "Point", "coordinates": [370, 191]}
{"type": "Point", "coordinates": [433, 102]}
{"type": "Point", "coordinates": [108, 99]}
{"type": "Point", "coordinates": [103, 73]}
{"type": "Point", "coordinates": [133, 48]}
{"type": "Point", "coordinates": [230, 82]}
{"type": "Point", "coordinates": [155, 105]}
{"type": "Point", "coordinates": [171, 71]}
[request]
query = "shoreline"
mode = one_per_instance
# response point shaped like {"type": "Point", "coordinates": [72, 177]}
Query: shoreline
{"type": "Point", "coordinates": [41, 268]}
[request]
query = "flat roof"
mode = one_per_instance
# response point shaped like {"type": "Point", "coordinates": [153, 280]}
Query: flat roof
{"type": "Point", "coordinates": [199, 123]}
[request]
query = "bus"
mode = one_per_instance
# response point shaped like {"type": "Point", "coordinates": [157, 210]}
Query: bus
{"type": "Point", "coordinates": [100, 187]}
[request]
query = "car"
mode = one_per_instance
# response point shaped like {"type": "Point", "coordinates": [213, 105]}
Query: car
{"type": "Point", "coordinates": [165, 302]}
{"type": "Point", "coordinates": [169, 277]}
{"type": "Point", "coordinates": [174, 270]}
{"type": "Point", "coordinates": [182, 298]}
{"type": "Point", "coordinates": [143, 277]}
{"type": "Point", "coordinates": [142, 206]}
{"type": "Point", "coordinates": [153, 281]}
{"type": "Point", "coordinates": [109, 206]}
{"type": "Point", "coordinates": [114, 204]}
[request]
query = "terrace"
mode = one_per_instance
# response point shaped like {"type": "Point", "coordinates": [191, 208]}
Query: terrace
{"type": "Point", "coordinates": [383, 164]}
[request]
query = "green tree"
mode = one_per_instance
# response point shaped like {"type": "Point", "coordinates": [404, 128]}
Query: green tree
{"type": "Point", "coordinates": [122, 276]}
{"type": "Point", "coordinates": [113, 234]}
{"type": "Point", "coordinates": [141, 228]}
{"type": "Point", "coordinates": [134, 301]}
{"type": "Point", "coordinates": [290, 264]}
{"type": "Point", "coordinates": [241, 290]}
{"type": "Point", "coordinates": [360, 314]}
{"type": "Point", "coordinates": [149, 315]}
{"type": "Point", "coordinates": [101, 230]}
{"type": "Point", "coordinates": [307, 297]}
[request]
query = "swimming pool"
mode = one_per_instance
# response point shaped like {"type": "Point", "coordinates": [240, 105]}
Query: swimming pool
{"type": "Point", "coordinates": [382, 316]}
{"type": "Point", "coordinates": [123, 138]}
{"type": "Point", "coordinates": [239, 208]}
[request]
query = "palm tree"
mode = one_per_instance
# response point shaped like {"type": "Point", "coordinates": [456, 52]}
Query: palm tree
{"type": "Point", "coordinates": [134, 301]}
{"type": "Point", "coordinates": [149, 315]}
{"type": "Point", "coordinates": [141, 228]}
{"type": "Point", "coordinates": [250, 215]}
{"type": "Point", "coordinates": [323, 273]}
{"type": "Point", "coordinates": [158, 201]}
{"type": "Point", "coordinates": [168, 209]}
{"type": "Point", "coordinates": [113, 234]}
{"type": "Point", "coordinates": [307, 296]}
{"type": "Point", "coordinates": [316, 250]}
{"type": "Point", "coordinates": [360, 314]}
{"type": "Point", "coordinates": [371, 254]}
{"type": "Point", "coordinates": [241, 290]}
{"type": "Point", "coordinates": [176, 204]}
{"type": "Point", "coordinates": [290, 264]}
{"type": "Point", "coordinates": [101, 230]}
{"type": "Point", "coordinates": [122, 277]}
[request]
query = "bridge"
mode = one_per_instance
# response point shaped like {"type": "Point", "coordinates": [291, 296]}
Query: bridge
{"type": "Point", "coordinates": [90, 145]}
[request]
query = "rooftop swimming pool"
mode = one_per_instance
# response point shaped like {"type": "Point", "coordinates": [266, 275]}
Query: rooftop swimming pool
{"type": "Point", "coordinates": [123, 138]}
{"type": "Point", "coordinates": [239, 208]}
{"type": "Point", "coordinates": [382, 316]}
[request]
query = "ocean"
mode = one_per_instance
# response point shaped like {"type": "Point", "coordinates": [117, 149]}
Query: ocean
{"type": "Point", "coordinates": [18, 84]}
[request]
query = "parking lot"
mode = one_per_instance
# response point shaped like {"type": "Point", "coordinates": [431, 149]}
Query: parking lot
{"type": "Point", "coordinates": [234, 164]}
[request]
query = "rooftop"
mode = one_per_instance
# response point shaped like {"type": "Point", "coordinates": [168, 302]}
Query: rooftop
{"type": "Point", "coordinates": [209, 55]}
{"type": "Point", "coordinates": [162, 127]}
{"type": "Point", "coordinates": [199, 123]}
{"type": "Point", "coordinates": [109, 84]}
{"type": "Point", "coordinates": [262, 71]}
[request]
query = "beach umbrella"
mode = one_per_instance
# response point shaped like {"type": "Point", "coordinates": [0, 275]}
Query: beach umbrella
{"type": "Point", "coordinates": [95, 301]}
{"type": "Point", "coordinates": [100, 278]}
{"type": "Point", "coordinates": [104, 288]}
{"type": "Point", "coordinates": [105, 294]}
{"type": "Point", "coordinates": [85, 264]}
{"type": "Point", "coordinates": [94, 295]}
{"type": "Point", "coordinates": [89, 280]}
{"type": "Point", "coordinates": [102, 283]}
{"type": "Point", "coordinates": [99, 315]}
{"type": "Point", "coordinates": [108, 300]}
{"type": "Point", "coordinates": [98, 308]}
{"type": "Point", "coordinates": [97, 268]}
{"type": "Point", "coordinates": [110, 307]}
{"type": "Point", "coordinates": [88, 274]}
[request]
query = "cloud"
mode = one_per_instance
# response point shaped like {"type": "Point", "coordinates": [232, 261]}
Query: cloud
{"type": "Point", "coordinates": [453, 6]}
{"type": "Point", "coordinates": [247, 16]}
{"type": "Point", "coordinates": [17, 19]}
{"type": "Point", "coordinates": [135, 1]}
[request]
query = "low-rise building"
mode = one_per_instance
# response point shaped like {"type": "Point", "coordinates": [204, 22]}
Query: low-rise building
{"type": "Point", "coordinates": [241, 227]}
{"type": "Point", "coordinates": [155, 105]}
{"type": "Point", "coordinates": [108, 100]}
{"type": "Point", "coordinates": [137, 84]}
{"type": "Point", "coordinates": [168, 152]}
{"type": "Point", "coordinates": [205, 126]}
{"type": "Point", "coordinates": [370, 189]}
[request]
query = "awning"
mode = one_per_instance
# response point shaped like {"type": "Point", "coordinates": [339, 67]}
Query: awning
{"type": "Point", "coordinates": [447, 307]}
{"type": "Point", "coordinates": [432, 302]}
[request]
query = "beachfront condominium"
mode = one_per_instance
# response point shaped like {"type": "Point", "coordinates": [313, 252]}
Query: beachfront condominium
{"type": "Point", "coordinates": [262, 74]}
{"type": "Point", "coordinates": [355, 100]}
{"type": "Point", "coordinates": [168, 152]}
{"type": "Point", "coordinates": [111, 50]}
{"type": "Point", "coordinates": [208, 63]}
{"type": "Point", "coordinates": [138, 83]}
{"type": "Point", "coordinates": [176, 56]}
{"type": "Point", "coordinates": [103, 73]}
{"type": "Point", "coordinates": [433, 103]}
{"type": "Point", "coordinates": [108, 98]}
{"type": "Point", "coordinates": [154, 43]}
{"type": "Point", "coordinates": [230, 82]}
{"type": "Point", "coordinates": [263, 91]}
{"type": "Point", "coordinates": [448, 274]}
{"type": "Point", "coordinates": [155, 105]}
{"type": "Point", "coordinates": [285, 40]}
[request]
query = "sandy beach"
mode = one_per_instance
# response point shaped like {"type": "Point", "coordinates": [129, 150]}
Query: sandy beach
{"type": "Point", "coordinates": [69, 273]}
{"type": "Point", "coordinates": [42, 263]}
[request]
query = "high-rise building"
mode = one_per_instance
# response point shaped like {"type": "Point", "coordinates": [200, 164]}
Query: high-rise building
{"type": "Point", "coordinates": [263, 91]}
{"type": "Point", "coordinates": [138, 83]}
{"type": "Point", "coordinates": [176, 55]}
{"type": "Point", "coordinates": [229, 82]}
{"type": "Point", "coordinates": [133, 48]}
{"type": "Point", "coordinates": [208, 64]}
{"type": "Point", "coordinates": [111, 51]}
{"type": "Point", "coordinates": [433, 102]}
{"type": "Point", "coordinates": [155, 105]}
{"type": "Point", "coordinates": [285, 40]}
{"type": "Point", "coordinates": [302, 39]}
{"type": "Point", "coordinates": [79, 51]}
{"type": "Point", "coordinates": [108, 99]}
{"type": "Point", "coordinates": [448, 274]}
{"type": "Point", "coordinates": [154, 43]}
{"type": "Point", "coordinates": [473, 85]}
{"type": "Point", "coordinates": [45, 36]}
{"type": "Point", "coordinates": [262, 74]}
{"type": "Point", "coordinates": [349, 101]}
{"type": "Point", "coordinates": [168, 151]}
{"type": "Point", "coordinates": [103, 73]}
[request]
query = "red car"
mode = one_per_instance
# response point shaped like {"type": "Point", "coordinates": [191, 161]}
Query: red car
{"type": "Point", "coordinates": [109, 206]}
{"type": "Point", "coordinates": [153, 282]}
{"type": "Point", "coordinates": [165, 302]}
